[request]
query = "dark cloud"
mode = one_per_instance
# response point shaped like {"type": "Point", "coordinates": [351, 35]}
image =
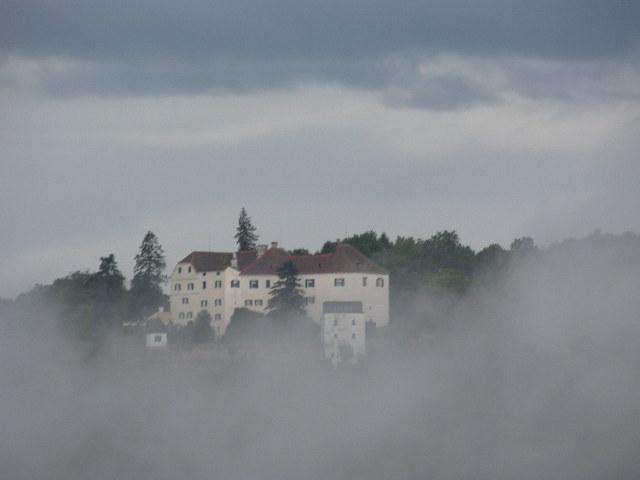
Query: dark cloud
{"type": "Point", "coordinates": [153, 48]}
{"type": "Point", "coordinates": [286, 28]}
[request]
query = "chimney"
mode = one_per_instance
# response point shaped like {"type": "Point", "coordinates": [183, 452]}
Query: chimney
{"type": "Point", "coordinates": [260, 250]}
{"type": "Point", "coordinates": [274, 244]}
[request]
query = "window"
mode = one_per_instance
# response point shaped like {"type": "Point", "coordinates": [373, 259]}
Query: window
{"type": "Point", "coordinates": [380, 282]}
{"type": "Point", "coordinates": [235, 283]}
{"type": "Point", "coordinates": [204, 274]}
{"type": "Point", "coordinates": [364, 281]}
{"type": "Point", "coordinates": [189, 315]}
{"type": "Point", "coordinates": [189, 269]}
{"type": "Point", "coordinates": [177, 287]}
{"type": "Point", "coordinates": [189, 286]}
{"type": "Point", "coordinates": [204, 285]}
{"type": "Point", "coordinates": [310, 300]}
{"type": "Point", "coordinates": [218, 284]}
{"type": "Point", "coordinates": [248, 303]}
{"type": "Point", "coordinates": [204, 303]}
{"type": "Point", "coordinates": [179, 269]}
{"type": "Point", "coordinates": [258, 303]}
{"type": "Point", "coordinates": [338, 282]}
{"type": "Point", "coordinates": [309, 283]}
{"type": "Point", "coordinates": [267, 283]}
{"type": "Point", "coordinates": [217, 302]}
{"type": "Point", "coordinates": [253, 283]}
{"type": "Point", "coordinates": [218, 316]}
{"type": "Point", "coordinates": [185, 300]}
{"type": "Point", "coordinates": [335, 322]}
{"type": "Point", "coordinates": [181, 315]}
{"type": "Point", "coordinates": [353, 336]}
{"type": "Point", "coordinates": [157, 339]}
{"type": "Point", "coordinates": [353, 322]}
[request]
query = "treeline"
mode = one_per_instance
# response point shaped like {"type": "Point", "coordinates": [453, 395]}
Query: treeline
{"type": "Point", "coordinates": [441, 270]}
{"type": "Point", "coordinates": [88, 305]}
{"type": "Point", "coordinates": [440, 263]}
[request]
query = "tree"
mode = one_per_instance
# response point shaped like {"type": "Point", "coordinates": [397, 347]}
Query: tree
{"type": "Point", "coordinates": [444, 250]}
{"type": "Point", "coordinates": [523, 246]}
{"type": "Point", "coordinates": [148, 276]}
{"type": "Point", "coordinates": [244, 326]}
{"type": "Point", "coordinates": [287, 299]}
{"type": "Point", "coordinates": [328, 247]}
{"type": "Point", "coordinates": [245, 236]}
{"type": "Point", "coordinates": [202, 332]}
{"type": "Point", "coordinates": [107, 287]}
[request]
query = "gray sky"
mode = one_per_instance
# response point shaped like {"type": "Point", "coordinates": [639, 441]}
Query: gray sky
{"type": "Point", "coordinates": [495, 118]}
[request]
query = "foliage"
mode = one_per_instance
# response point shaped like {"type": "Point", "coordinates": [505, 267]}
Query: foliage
{"type": "Point", "coordinates": [245, 236]}
{"type": "Point", "coordinates": [244, 326]}
{"type": "Point", "coordinates": [107, 289]}
{"type": "Point", "coordinates": [202, 331]}
{"type": "Point", "coordinates": [146, 293]}
{"type": "Point", "coordinates": [287, 298]}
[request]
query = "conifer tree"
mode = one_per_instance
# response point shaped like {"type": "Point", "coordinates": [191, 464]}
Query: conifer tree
{"type": "Point", "coordinates": [245, 236]}
{"type": "Point", "coordinates": [287, 298]}
{"type": "Point", "coordinates": [148, 276]}
{"type": "Point", "coordinates": [107, 287]}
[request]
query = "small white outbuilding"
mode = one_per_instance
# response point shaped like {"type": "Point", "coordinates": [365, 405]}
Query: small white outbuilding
{"type": "Point", "coordinates": [156, 340]}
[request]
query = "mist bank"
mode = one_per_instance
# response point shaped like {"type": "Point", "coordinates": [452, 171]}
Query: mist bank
{"type": "Point", "coordinates": [532, 376]}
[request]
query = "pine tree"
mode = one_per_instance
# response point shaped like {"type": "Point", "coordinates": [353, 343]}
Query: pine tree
{"type": "Point", "coordinates": [107, 287]}
{"type": "Point", "coordinates": [245, 236]}
{"type": "Point", "coordinates": [287, 299]}
{"type": "Point", "coordinates": [148, 276]}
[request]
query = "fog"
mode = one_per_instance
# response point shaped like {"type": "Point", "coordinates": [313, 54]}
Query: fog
{"type": "Point", "coordinates": [534, 378]}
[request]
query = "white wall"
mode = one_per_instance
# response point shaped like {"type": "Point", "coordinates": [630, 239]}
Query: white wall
{"type": "Point", "coordinates": [343, 329]}
{"type": "Point", "coordinates": [210, 293]}
{"type": "Point", "coordinates": [375, 300]}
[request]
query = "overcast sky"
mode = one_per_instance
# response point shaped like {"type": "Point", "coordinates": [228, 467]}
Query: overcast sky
{"type": "Point", "coordinates": [496, 118]}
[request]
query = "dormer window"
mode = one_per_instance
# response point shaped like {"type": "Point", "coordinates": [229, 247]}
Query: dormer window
{"type": "Point", "coordinates": [179, 269]}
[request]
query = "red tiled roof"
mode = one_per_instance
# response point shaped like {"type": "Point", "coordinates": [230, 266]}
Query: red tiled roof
{"type": "Point", "coordinates": [216, 261]}
{"type": "Point", "coordinates": [345, 259]}
{"type": "Point", "coordinates": [245, 258]}
{"type": "Point", "coordinates": [208, 261]}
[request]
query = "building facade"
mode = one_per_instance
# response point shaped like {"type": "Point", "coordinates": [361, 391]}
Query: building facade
{"type": "Point", "coordinates": [343, 331]}
{"type": "Point", "coordinates": [221, 282]}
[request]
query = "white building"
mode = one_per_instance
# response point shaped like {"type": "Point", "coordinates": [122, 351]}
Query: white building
{"type": "Point", "coordinates": [156, 340]}
{"type": "Point", "coordinates": [343, 331]}
{"type": "Point", "coordinates": [221, 282]}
